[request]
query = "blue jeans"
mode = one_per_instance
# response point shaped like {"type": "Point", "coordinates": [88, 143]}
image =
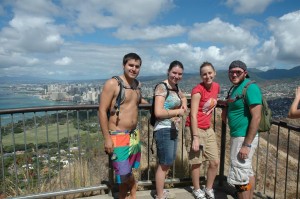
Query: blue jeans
{"type": "Point", "coordinates": [166, 144]}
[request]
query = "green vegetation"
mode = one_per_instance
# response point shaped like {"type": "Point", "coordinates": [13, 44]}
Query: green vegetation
{"type": "Point", "coordinates": [50, 128]}
{"type": "Point", "coordinates": [44, 146]}
{"type": "Point", "coordinates": [42, 133]}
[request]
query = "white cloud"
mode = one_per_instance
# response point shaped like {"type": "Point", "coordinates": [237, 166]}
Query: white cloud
{"type": "Point", "coordinates": [35, 8]}
{"type": "Point", "coordinates": [183, 52]}
{"type": "Point", "coordinates": [193, 56]}
{"type": "Point", "coordinates": [286, 34]}
{"type": "Point", "coordinates": [16, 71]}
{"type": "Point", "coordinates": [63, 61]}
{"type": "Point", "coordinates": [41, 36]}
{"type": "Point", "coordinates": [91, 14]}
{"type": "Point", "coordinates": [51, 73]}
{"type": "Point", "coordinates": [138, 12]}
{"type": "Point", "coordinates": [248, 6]}
{"type": "Point", "coordinates": [30, 33]}
{"type": "Point", "coordinates": [250, 24]}
{"type": "Point", "coordinates": [149, 33]}
{"type": "Point", "coordinates": [158, 67]}
{"type": "Point", "coordinates": [32, 61]}
{"type": "Point", "coordinates": [266, 55]}
{"type": "Point", "coordinates": [88, 61]}
{"type": "Point", "coordinates": [220, 32]}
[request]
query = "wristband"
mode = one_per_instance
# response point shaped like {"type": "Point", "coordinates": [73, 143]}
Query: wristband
{"type": "Point", "coordinates": [247, 145]}
{"type": "Point", "coordinates": [197, 136]}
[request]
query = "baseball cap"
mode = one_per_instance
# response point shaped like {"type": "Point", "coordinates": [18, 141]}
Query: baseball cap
{"type": "Point", "coordinates": [238, 64]}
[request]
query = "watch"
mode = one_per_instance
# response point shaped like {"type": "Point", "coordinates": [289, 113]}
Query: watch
{"type": "Point", "coordinates": [247, 145]}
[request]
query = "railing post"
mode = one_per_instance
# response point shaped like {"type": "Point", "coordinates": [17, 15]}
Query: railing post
{"type": "Point", "coordinates": [222, 155]}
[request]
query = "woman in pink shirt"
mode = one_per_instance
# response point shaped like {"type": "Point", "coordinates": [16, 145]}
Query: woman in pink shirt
{"type": "Point", "coordinates": [203, 145]}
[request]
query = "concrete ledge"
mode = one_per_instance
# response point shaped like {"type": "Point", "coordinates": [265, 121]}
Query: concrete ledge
{"type": "Point", "coordinates": [183, 192]}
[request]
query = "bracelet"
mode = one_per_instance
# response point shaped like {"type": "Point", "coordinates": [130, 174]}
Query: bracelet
{"type": "Point", "coordinates": [247, 145]}
{"type": "Point", "coordinates": [197, 136]}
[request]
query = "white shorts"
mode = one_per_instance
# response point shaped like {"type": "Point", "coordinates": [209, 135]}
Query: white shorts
{"type": "Point", "coordinates": [240, 169]}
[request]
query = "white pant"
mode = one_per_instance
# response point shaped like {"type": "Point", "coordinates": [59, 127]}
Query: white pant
{"type": "Point", "coordinates": [240, 169]}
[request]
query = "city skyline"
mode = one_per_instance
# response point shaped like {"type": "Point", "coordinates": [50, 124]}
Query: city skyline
{"type": "Point", "coordinates": [87, 39]}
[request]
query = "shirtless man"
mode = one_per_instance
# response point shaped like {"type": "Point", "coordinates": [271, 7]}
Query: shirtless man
{"type": "Point", "coordinates": [121, 137]}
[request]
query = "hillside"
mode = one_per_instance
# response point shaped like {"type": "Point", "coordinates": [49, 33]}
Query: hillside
{"type": "Point", "coordinates": [222, 77]}
{"type": "Point", "coordinates": [261, 77]}
{"type": "Point", "coordinates": [279, 73]}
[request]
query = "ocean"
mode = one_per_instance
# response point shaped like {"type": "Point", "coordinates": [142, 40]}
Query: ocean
{"type": "Point", "coordinates": [12, 100]}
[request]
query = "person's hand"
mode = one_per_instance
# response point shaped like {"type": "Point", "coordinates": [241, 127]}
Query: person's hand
{"type": "Point", "coordinates": [297, 93]}
{"type": "Point", "coordinates": [108, 145]}
{"type": "Point", "coordinates": [244, 152]}
{"type": "Point", "coordinates": [184, 107]}
{"type": "Point", "coordinates": [222, 102]}
{"type": "Point", "coordinates": [195, 143]}
{"type": "Point", "coordinates": [180, 112]}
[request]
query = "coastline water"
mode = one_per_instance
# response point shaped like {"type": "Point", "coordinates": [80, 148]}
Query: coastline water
{"type": "Point", "coordinates": [11, 100]}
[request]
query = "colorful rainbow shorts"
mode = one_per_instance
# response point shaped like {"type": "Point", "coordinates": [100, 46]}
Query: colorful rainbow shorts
{"type": "Point", "coordinates": [127, 153]}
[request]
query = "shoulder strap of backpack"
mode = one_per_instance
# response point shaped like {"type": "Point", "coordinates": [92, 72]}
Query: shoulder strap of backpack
{"type": "Point", "coordinates": [165, 84]}
{"type": "Point", "coordinates": [137, 82]}
{"type": "Point", "coordinates": [177, 92]}
{"type": "Point", "coordinates": [120, 96]}
{"type": "Point", "coordinates": [169, 89]}
{"type": "Point", "coordinates": [229, 92]}
{"type": "Point", "coordinates": [138, 87]}
{"type": "Point", "coordinates": [245, 90]}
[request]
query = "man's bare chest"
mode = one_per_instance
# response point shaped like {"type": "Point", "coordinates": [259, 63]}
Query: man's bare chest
{"type": "Point", "coordinates": [132, 96]}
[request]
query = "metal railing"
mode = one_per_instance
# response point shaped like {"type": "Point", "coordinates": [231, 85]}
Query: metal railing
{"type": "Point", "coordinates": [51, 151]}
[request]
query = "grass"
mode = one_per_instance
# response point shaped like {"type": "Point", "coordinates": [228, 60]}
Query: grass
{"type": "Point", "coordinates": [41, 133]}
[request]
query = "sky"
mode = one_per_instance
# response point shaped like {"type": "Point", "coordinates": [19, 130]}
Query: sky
{"type": "Point", "coordinates": [87, 39]}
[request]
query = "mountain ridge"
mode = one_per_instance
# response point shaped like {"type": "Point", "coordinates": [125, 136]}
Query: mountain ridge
{"type": "Point", "coordinates": [254, 73]}
{"type": "Point", "coordinates": [222, 76]}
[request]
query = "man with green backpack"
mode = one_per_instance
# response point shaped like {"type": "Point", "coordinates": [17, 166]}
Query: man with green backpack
{"type": "Point", "coordinates": [243, 112]}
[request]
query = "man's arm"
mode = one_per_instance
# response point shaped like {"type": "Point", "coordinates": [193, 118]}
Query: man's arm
{"type": "Point", "coordinates": [294, 112]}
{"type": "Point", "coordinates": [106, 98]}
{"type": "Point", "coordinates": [255, 111]}
{"type": "Point", "coordinates": [144, 101]}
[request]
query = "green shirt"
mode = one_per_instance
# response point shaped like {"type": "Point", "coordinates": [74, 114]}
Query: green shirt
{"type": "Point", "coordinates": [239, 116]}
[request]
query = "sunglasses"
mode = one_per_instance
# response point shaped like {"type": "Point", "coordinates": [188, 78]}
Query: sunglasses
{"type": "Point", "coordinates": [237, 72]}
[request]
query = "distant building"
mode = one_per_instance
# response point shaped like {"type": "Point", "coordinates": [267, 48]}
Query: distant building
{"type": "Point", "coordinates": [58, 96]}
{"type": "Point", "coordinates": [77, 98]}
{"type": "Point", "coordinates": [90, 97]}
